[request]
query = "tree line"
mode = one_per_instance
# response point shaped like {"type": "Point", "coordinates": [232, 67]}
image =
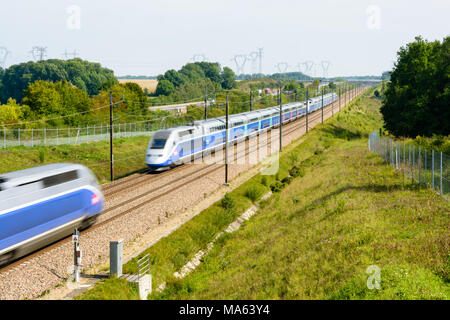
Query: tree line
{"type": "Point", "coordinates": [85, 75]}
{"type": "Point", "coordinates": [76, 92]}
{"type": "Point", "coordinates": [199, 74]}
{"type": "Point", "coordinates": [416, 101]}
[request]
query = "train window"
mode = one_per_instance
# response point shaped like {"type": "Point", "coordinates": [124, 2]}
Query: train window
{"type": "Point", "coordinates": [2, 181]}
{"type": "Point", "coordinates": [26, 183]}
{"type": "Point", "coordinates": [60, 178]}
{"type": "Point", "coordinates": [218, 128]}
{"type": "Point", "coordinates": [158, 144]}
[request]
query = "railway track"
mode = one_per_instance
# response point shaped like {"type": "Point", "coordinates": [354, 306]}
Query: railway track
{"type": "Point", "coordinates": [168, 187]}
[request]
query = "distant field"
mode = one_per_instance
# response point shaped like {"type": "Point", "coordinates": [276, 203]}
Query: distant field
{"type": "Point", "coordinates": [149, 84]}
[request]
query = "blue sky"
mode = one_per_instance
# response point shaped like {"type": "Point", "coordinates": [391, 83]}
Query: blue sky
{"type": "Point", "coordinates": [143, 37]}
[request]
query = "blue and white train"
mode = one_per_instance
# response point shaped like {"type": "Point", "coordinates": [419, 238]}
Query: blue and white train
{"type": "Point", "coordinates": [44, 204]}
{"type": "Point", "coordinates": [174, 146]}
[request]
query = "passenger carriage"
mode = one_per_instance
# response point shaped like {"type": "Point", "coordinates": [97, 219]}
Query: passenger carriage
{"type": "Point", "coordinates": [44, 204]}
{"type": "Point", "coordinates": [174, 146]}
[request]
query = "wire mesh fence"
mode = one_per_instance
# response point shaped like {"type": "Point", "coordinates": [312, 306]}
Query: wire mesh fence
{"type": "Point", "coordinates": [426, 167]}
{"type": "Point", "coordinates": [14, 137]}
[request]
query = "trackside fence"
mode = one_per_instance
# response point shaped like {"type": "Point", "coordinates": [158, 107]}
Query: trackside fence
{"type": "Point", "coordinates": [14, 137]}
{"type": "Point", "coordinates": [426, 167]}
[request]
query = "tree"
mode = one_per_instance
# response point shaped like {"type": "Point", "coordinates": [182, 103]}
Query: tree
{"type": "Point", "coordinates": [316, 83]}
{"type": "Point", "coordinates": [10, 112]}
{"type": "Point", "coordinates": [417, 98]}
{"type": "Point", "coordinates": [2, 73]}
{"type": "Point", "coordinates": [386, 75]}
{"type": "Point", "coordinates": [228, 78]}
{"type": "Point", "coordinates": [193, 71]}
{"type": "Point", "coordinates": [85, 75]}
{"type": "Point", "coordinates": [53, 99]}
{"type": "Point", "coordinates": [165, 88]}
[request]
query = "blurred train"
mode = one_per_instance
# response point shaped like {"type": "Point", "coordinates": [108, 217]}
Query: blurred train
{"type": "Point", "coordinates": [174, 146]}
{"type": "Point", "coordinates": [44, 204]}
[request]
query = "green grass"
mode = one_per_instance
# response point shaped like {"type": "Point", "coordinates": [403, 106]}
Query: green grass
{"type": "Point", "coordinates": [129, 154]}
{"type": "Point", "coordinates": [112, 289]}
{"type": "Point", "coordinates": [316, 238]}
{"type": "Point", "coordinates": [345, 210]}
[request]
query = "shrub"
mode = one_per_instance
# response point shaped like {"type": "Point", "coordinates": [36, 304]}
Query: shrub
{"type": "Point", "coordinates": [254, 193]}
{"type": "Point", "coordinates": [287, 180]}
{"type": "Point", "coordinates": [42, 155]}
{"type": "Point", "coordinates": [227, 202]}
{"type": "Point", "coordinates": [277, 186]}
{"type": "Point", "coordinates": [297, 172]}
{"type": "Point", "coordinates": [264, 181]}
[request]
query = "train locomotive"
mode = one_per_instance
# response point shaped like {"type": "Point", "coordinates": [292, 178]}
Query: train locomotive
{"type": "Point", "coordinates": [44, 204]}
{"type": "Point", "coordinates": [171, 147]}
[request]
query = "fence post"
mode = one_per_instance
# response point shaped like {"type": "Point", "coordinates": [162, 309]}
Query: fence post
{"type": "Point", "coordinates": [419, 163]}
{"type": "Point", "coordinates": [45, 136]}
{"type": "Point", "coordinates": [392, 153]}
{"type": "Point", "coordinates": [4, 137]}
{"type": "Point", "coordinates": [396, 156]}
{"type": "Point", "coordinates": [413, 162]}
{"type": "Point", "coordinates": [441, 176]}
{"type": "Point", "coordinates": [19, 136]}
{"type": "Point", "coordinates": [404, 158]}
{"type": "Point", "coordinates": [57, 136]}
{"type": "Point", "coordinates": [32, 134]}
{"type": "Point", "coordinates": [425, 168]}
{"type": "Point", "coordinates": [432, 169]}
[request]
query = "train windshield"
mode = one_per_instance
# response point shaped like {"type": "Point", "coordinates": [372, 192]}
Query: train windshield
{"type": "Point", "coordinates": [158, 143]}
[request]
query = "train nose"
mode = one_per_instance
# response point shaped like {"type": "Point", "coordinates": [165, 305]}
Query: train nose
{"type": "Point", "coordinates": [154, 158]}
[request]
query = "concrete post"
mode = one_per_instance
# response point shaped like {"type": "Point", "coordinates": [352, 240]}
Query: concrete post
{"type": "Point", "coordinates": [115, 257]}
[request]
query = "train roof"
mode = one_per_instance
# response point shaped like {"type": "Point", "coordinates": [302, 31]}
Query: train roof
{"type": "Point", "coordinates": [38, 172]}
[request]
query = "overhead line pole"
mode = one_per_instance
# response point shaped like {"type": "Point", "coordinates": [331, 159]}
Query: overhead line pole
{"type": "Point", "coordinates": [339, 99]}
{"type": "Point", "coordinates": [111, 153]}
{"type": "Point", "coordinates": [281, 122]}
{"type": "Point", "coordinates": [111, 132]}
{"type": "Point", "coordinates": [206, 101]}
{"type": "Point", "coordinates": [226, 142]}
{"type": "Point", "coordinates": [307, 109]}
{"type": "Point", "coordinates": [322, 106]}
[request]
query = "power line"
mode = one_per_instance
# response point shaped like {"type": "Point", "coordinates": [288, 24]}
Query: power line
{"type": "Point", "coordinates": [240, 60]}
{"type": "Point", "coordinates": [39, 53]}
{"type": "Point", "coordinates": [73, 54]}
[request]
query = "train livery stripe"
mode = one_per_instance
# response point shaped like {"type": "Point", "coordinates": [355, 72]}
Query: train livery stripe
{"type": "Point", "coordinates": [88, 187]}
{"type": "Point", "coordinates": [40, 235]}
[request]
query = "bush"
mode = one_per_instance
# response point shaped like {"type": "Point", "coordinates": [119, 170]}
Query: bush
{"type": "Point", "coordinates": [42, 155]}
{"type": "Point", "coordinates": [254, 193]}
{"type": "Point", "coordinates": [227, 202]}
{"type": "Point", "coordinates": [287, 180]}
{"type": "Point", "coordinates": [264, 181]}
{"type": "Point", "coordinates": [296, 172]}
{"type": "Point", "coordinates": [277, 186]}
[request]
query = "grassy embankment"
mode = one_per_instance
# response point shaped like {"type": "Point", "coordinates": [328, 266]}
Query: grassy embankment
{"type": "Point", "coordinates": [129, 155]}
{"type": "Point", "coordinates": [345, 210]}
